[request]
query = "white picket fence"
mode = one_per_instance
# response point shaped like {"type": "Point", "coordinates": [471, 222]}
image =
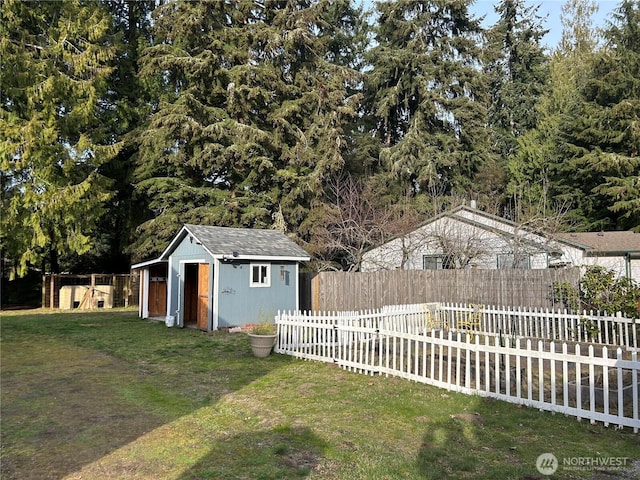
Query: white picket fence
{"type": "Point", "coordinates": [594, 381]}
{"type": "Point", "coordinates": [545, 324]}
{"type": "Point", "coordinates": [521, 323]}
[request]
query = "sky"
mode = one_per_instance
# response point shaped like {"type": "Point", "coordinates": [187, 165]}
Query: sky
{"type": "Point", "coordinates": [550, 9]}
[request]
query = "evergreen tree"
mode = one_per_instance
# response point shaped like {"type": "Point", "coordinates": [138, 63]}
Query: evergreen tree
{"type": "Point", "coordinates": [602, 170]}
{"type": "Point", "coordinates": [579, 34]}
{"type": "Point", "coordinates": [250, 121]}
{"type": "Point", "coordinates": [427, 95]}
{"type": "Point", "coordinates": [55, 61]}
{"type": "Point", "coordinates": [532, 169]}
{"type": "Point", "coordinates": [518, 71]}
{"type": "Point", "coordinates": [125, 109]}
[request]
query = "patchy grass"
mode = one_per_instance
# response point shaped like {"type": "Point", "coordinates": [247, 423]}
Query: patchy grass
{"type": "Point", "coordinates": [109, 396]}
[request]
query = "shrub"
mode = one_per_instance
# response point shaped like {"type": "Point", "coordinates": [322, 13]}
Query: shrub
{"type": "Point", "coordinates": [263, 328]}
{"type": "Point", "coordinates": [600, 290]}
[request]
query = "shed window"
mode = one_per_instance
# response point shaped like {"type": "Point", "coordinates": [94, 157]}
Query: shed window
{"type": "Point", "coordinates": [260, 275]}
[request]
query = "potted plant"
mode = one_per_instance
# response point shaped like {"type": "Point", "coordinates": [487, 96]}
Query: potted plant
{"type": "Point", "coordinates": [263, 338]}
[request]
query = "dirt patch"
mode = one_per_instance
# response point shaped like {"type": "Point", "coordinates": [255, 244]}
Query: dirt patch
{"type": "Point", "coordinates": [473, 418]}
{"type": "Point", "coordinates": [301, 460]}
{"type": "Point", "coordinates": [422, 419]}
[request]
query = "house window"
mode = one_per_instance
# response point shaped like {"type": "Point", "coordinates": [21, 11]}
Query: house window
{"type": "Point", "coordinates": [509, 260]}
{"type": "Point", "coordinates": [260, 275]}
{"type": "Point", "coordinates": [433, 262]}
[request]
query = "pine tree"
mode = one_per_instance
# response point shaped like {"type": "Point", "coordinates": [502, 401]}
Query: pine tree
{"type": "Point", "coordinates": [250, 121]}
{"type": "Point", "coordinates": [517, 68]}
{"type": "Point", "coordinates": [532, 185]}
{"type": "Point", "coordinates": [125, 108]}
{"type": "Point", "coordinates": [426, 94]}
{"type": "Point", "coordinates": [602, 170]}
{"type": "Point", "coordinates": [579, 35]}
{"type": "Point", "coordinates": [55, 62]}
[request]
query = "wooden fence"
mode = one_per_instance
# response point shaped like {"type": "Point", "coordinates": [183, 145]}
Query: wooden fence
{"type": "Point", "coordinates": [592, 381]}
{"type": "Point", "coordinates": [329, 291]}
{"type": "Point", "coordinates": [90, 291]}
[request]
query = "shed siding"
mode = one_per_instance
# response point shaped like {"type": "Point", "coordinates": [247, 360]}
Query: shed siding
{"type": "Point", "coordinates": [185, 251]}
{"type": "Point", "coordinates": [240, 304]}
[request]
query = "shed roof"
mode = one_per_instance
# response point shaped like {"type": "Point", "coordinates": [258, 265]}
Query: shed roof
{"type": "Point", "coordinates": [252, 243]}
{"type": "Point", "coordinates": [148, 263]}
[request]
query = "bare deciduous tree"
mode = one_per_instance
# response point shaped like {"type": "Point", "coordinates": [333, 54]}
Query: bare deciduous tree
{"type": "Point", "coordinates": [536, 226]}
{"type": "Point", "coordinates": [455, 243]}
{"type": "Point", "coordinates": [460, 248]}
{"type": "Point", "coordinates": [354, 221]}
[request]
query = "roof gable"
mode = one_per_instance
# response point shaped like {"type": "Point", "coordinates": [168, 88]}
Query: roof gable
{"type": "Point", "coordinates": [240, 243]}
{"type": "Point", "coordinates": [614, 242]}
{"type": "Point", "coordinates": [476, 218]}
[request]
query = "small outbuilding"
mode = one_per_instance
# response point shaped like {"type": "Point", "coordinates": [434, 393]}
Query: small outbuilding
{"type": "Point", "coordinates": [215, 277]}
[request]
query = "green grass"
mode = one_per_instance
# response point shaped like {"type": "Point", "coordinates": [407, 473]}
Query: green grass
{"type": "Point", "coordinates": [108, 395]}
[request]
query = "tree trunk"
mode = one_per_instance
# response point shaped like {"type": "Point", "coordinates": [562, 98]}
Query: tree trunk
{"type": "Point", "coordinates": [53, 260]}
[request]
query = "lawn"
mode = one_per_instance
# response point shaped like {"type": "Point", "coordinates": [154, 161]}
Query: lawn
{"type": "Point", "coordinates": [110, 396]}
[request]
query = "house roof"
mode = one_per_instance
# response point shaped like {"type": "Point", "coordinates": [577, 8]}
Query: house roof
{"type": "Point", "coordinates": [605, 242]}
{"type": "Point", "coordinates": [594, 243]}
{"type": "Point", "coordinates": [240, 243]}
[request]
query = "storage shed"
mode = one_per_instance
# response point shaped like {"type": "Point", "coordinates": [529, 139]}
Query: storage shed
{"type": "Point", "coordinates": [214, 277]}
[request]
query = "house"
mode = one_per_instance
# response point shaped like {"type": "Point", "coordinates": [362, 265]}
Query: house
{"type": "Point", "coordinates": [617, 251]}
{"type": "Point", "coordinates": [213, 277]}
{"type": "Point", "coordinates": [466, 237]}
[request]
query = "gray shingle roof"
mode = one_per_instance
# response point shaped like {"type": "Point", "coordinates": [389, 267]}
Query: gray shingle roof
{"type": "Point", "coordinates": [246, 241]}
{"type": "Point", "coordinates": [606, 241]}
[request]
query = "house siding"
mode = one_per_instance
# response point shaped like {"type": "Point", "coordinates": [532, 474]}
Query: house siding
{"type": "Point", "coordinates": [616, 264]}
{"type": "Point", "coordinates": [634, 266]}
{"type": "Point", "coordinates": [240, 304]}
{"type": "Point", "coordinates": [424, 241]}
{"type": "Point", "coordinates": [485, 237]}
{"type": "Point", "coordinates": [619, 264]}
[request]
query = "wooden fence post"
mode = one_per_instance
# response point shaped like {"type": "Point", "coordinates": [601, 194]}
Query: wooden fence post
{"type": "Point", "coordinates": [93, 290]}
{"type": "Point", "coordinates": [52, 291]}
{"type": "Point", "coordinates": [44, 291]}
{"type": "Point", "coordinates": [315, 293]}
